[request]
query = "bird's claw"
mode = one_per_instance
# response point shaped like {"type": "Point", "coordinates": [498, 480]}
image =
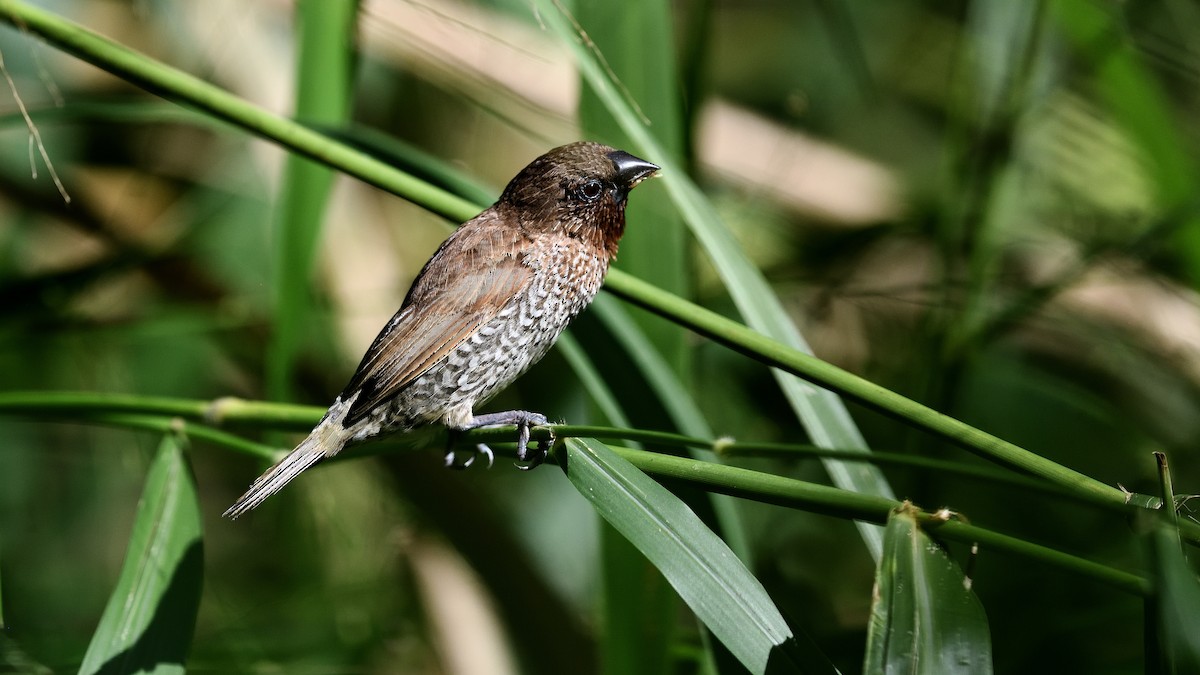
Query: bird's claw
{"type": "Point", "coordinates": [480, 449]}
{"type": "Point", "coordinates": [535, 457]}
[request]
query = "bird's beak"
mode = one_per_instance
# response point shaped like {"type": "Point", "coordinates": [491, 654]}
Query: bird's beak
{"type": "Point", "coordinates": [631, 170]}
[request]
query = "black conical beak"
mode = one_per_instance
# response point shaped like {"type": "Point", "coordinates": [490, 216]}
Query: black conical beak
{"type": "Point", "coordinates": [631, 170]}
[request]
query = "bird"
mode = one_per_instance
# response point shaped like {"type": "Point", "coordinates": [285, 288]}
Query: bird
{"type": "Point", "coordinates": [488, 305]}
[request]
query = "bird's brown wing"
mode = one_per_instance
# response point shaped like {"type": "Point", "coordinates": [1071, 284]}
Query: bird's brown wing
{"type": "Point", "coordinates": [465, 285]}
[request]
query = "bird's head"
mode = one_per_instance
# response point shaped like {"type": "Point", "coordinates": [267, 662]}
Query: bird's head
{"type": "Point", "coordinates": [578, 189]}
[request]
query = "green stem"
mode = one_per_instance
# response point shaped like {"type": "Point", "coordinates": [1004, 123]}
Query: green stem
{"type": "Point", "coordinates": [166, 414]}
{"type": "Point", "coordinates": [112, 408]}
{"type": "Point", "coordinates": [771, 489]}
{"type": "Point", "coordinates": [1167, 490]}
{"type": "Point", "coordinates": [233, 411]}
{"type": "Point", "coordinates": [768, 351]}
{"type": "Point", "coordinates": [189, 429]}
{"type": "Point", "coordinates": [729, 448]}
{"type": "Point", "coordinates": [971, 534]}
{"type": "Point", "coordinates": [189, 90]}
{"type": "Point", "coordinates": [238, 412]}
{"type": "Point", "coordinates": [1168, 495]}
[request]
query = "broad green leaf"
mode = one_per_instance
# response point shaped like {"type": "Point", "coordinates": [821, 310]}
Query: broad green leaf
{"type": "Point", "coordinates": [1176, 604]}
{"type": "Point", "coordinates": [637, 604]}
{"type": "Point", "coordinates": [824, 414]}
{"type": "Point", "coordinates": [925, 619]}
{"type": "Point", "coordinates": [148, 622]}
{"type": "Point", "coordinates": [707, 575]}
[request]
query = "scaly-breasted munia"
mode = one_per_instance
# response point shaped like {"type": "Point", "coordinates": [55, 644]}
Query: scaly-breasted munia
{"type": "Point", "coordinates": [488, 305]}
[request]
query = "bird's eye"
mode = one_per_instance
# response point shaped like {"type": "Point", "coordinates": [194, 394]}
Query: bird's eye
{"type": "Point", "coordinates": [591, 190]}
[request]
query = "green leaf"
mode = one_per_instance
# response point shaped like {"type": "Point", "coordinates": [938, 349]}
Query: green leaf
{"type": "Point", "coordinates": [1175, 605]}
{"type": "Point", "coordinates": [706, 574]}
{"type": "Point", "coordinates": [637, 604]}
{"type": "Point", "coordinates": [147, 625]}
{"type": "Point", "coordinates": [635, 624]}
{"type": "Point", "coordinates": [925, 618]}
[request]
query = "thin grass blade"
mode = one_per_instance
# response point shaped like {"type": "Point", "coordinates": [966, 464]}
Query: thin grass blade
{"type": "Point", "coordinates": [636, 39]}
{"type": "Point", "coordinates": [638, 605]}
{"type": "Point", "coordinates": [824, 415]}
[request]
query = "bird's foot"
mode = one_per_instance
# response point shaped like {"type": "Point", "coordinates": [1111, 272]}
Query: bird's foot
{"type": "Point", "coordinates": [529, 457]}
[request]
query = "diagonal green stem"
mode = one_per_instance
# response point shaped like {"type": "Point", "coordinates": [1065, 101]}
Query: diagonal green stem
{"type": "Point", "coordinates": [794, 493]}
{"type": "Point", "coordinates": [768, 351]}
{"type": "Point", "coordinates": [194, 92]}
{"type": "Point", "coordinates": [178, 86]}
{"type": "Point", "coordinates": [159, 413]}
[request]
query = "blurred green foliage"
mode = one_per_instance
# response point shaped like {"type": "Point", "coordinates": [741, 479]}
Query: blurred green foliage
{"type": "Point", "coordinates": [987, 207]}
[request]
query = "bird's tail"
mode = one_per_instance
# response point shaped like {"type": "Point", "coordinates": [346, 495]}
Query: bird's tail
{"type": "Point", "coordinates": [326, 440]}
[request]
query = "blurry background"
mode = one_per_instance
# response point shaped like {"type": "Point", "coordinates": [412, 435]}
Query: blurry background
{"type": "Point", "coordinates": [985, 206]}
